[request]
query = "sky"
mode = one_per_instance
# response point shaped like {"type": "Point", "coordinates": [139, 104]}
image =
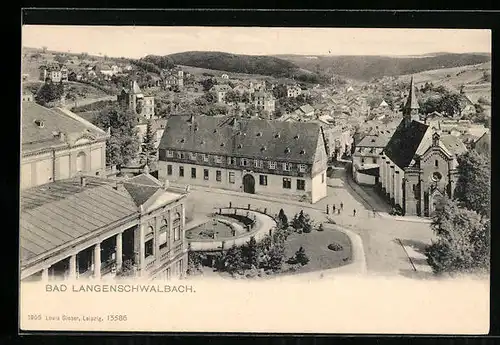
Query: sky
{"type": "Point", "coordinates": [138, 41]}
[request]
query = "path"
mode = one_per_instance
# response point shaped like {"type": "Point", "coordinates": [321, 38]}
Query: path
{"type": "Point", "coordinates": [86, 101]}
{"type": "Point", "coordinates": [384, 254]}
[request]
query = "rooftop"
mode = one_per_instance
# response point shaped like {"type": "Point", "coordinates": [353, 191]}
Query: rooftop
{"type": "Point", "coordinates": [57, 213]}
{"type": "Point", "coordinates": [41, 127]}
{"type": "Point", "coordinates": [231, 136]}
{"type": "Point", "coordinates": [374, 141]}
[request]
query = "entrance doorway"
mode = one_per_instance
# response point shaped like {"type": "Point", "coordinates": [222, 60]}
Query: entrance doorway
{"type": "Point", "coordinates": [249, 184]}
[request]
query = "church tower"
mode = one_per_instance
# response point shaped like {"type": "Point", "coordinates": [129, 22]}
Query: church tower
{"type": "Point", "coordinates": [410, 109]}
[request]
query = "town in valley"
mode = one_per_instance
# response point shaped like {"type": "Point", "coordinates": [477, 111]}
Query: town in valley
{"type": "Point", "coordinates": [206, 164]}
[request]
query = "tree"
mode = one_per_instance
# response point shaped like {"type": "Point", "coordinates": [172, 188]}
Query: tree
{"type": "Point", "coordinates": [250, 253]}
{"type": "Point", "coordinates": [208, 83]}
{"type": "Point", "coordinates": [283, 219]}
{"type": "Point", "coordinates": [49, 92]}
{"type": "Point", "coordinates": [276, 256]}
{"type": "Point", "coordinates": [123, 145]}
{"type": "Point", "coordinates": [232, 96]}
{"type": "Point", "coordinates": [473, 184]}
{"type": "Point", "coordinates": [149, 141]}
{"type": "Point", "coordinates": [301, 257]}
{"type": "Point", "coordinates": [232, 260]}
{"type": "Point", "coordinates": [194, 262]}
{"type": "Point", "coordinates": [463, 240]}
{"type": "Point", "coordinates": [302, 221]}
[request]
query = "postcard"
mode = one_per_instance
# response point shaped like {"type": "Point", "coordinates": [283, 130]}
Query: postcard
{"type": "Point", "coordinates": [255, 180]}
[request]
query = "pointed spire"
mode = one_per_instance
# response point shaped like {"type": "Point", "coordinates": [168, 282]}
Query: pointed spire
{"type": "Point", "coordinates": [411, 101]}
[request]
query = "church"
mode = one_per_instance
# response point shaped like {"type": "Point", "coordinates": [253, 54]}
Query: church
{"type": "Point", "coordinates": [419, 165]}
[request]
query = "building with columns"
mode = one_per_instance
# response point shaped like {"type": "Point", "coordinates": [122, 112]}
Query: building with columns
{"type": "Point", "coordinates": [57, 144]}
{"type": "Point", "coordinates": [248, 155]}
{"type": "Point", "coordinates": [92, 227]}
{"type": "Point", "coordinates": [418, 166]}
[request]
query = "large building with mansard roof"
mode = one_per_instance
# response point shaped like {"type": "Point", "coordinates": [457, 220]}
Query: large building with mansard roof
{"type": "Point", "coordinates": [419, 165]}
{"type": "Point", "coordinates": [57, 144]}
{"type": "Point", "coordinates": [247, 155]}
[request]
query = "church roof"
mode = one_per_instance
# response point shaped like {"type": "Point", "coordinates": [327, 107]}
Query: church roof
{"type": "Point", "coordinates": [404, 142]}
{"type": "Point", "coordinates": [240, 137]}
{"type": "Point", "coordinates": [411, 101]}
{"type": "Point", "coordinates": [453, 144]}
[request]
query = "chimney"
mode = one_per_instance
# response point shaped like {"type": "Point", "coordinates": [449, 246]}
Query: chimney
{"type": "Point", "coordinates": [83, 181]}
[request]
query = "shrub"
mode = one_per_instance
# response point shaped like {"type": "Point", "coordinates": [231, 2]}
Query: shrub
{"type": "Point", "coordinates": [335, 247]}
{"type": "Point", "coordinates": [300, 257]}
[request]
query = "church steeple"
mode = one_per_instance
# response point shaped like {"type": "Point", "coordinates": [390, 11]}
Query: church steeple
{"type": "Point", "coordinates": [410, 109]}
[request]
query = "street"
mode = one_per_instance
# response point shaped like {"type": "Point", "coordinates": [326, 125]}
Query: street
{"type": "Point", "coordinates": [388, 243]}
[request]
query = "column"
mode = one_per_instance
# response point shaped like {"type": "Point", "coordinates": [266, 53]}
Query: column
{"type": "Point", "coordinates": [387, 175]}
{"type": "Point", "coordinates": [72, 266]}
{"type": "Point", "coordinates": [397, 186]}
{"type": "Point", "coordinates": [142, 250]}
{"type": "Point", "coordinates": [157, 239]}
{"type": "Point", "coordinates": [183, 216]}
{"type": "Point", "coordinates": [382, 172]}
{"type": "Point", "coordinates": [170, 230]}
{"type": "Point", "coordinates": [119, 251]}
{"type": "Point", "coordinates": [45, 274]}
{"type": "Point", "coordinates": [392, 181]}
{"type": "Point", "coordinates": [97, 261]}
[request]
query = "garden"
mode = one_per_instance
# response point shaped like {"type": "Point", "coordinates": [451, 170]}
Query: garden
{"type": "Point", "coordinates": [295, 246]}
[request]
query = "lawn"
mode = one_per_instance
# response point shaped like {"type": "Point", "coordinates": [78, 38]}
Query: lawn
{"type": "Point", "coordinates": [316, 244]}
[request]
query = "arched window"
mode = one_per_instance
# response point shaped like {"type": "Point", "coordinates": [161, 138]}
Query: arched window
{"type": "Point", "coordinates": [80, 162]}
{"type": "Point", "coordinates": [177, 226]}
{"type": "Point", "coordinates": [163, 233]}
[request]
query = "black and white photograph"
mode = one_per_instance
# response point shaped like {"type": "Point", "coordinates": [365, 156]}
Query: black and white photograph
{"type": "Point", "coordinates": [245, 179]}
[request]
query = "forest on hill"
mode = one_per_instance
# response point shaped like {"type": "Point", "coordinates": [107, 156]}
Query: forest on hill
{"type": "Point", "coordinates": [369, 67]}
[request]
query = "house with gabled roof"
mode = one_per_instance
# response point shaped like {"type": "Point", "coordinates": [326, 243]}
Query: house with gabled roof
{"type": "Point", "coordinates": [102, 228]}
{"type": "Point", "coordinates": [134, 99]}
{"type": "Point", "coordinates": [247, 155]}
{"type": "Point", "coordinates": [418, 166]}
{"type": "Point", "coordinates": [220, 91]}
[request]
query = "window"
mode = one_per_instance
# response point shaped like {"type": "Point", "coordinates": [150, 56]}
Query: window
{"type": "Point", "coordinates": [243, 162]}
{"type": "Point", "coordinates": [362, 161]}
{"type": "Point", "coordinates": [192, 156]}
{"type": "Point", "coordinates": [205, 157]}
{"type": "Point", "coordinates": [263, 180]}
{"type": "Point", "coordinates": [231, 160]}
{"type": "Point", "coordinates": [302, 167]}
{"type": "Point", "coordinates": [436, 163]}
{"type": "Point", "coordinates": [181, 171]}
{"type": "Point", "coordinates": [218, 176]}
{"type": "Point", "coordinates": [180, 155]}
{"type": "Point", "coordinates": [287, 166]}
{"type": "Point", "coordinates": [163, 234]}
{"type": "Point", "coordinates": [80, 162]}
{"type": "Point", "coordinates": [170, 153]}
{"type": "Point", "coordinates": [272, 165]}
{"type": "Point", "coordinates": [169, 169]}
{"type": "Point", "coordinates": [149, 248]}
{"type": "Point", "coordinates": [231, 177]}
{"type": "Point", "coordinates": [287, 183]}
{"type": "Point", "coordinates": [301, 185]}
{"type": "Point", "coordinates": [374, 160]}
{"type": "Point", "coordinates": [218, 159]}
{"type": "Point", "coordinates": [257, 163]}
{"type": "Point", "coordinates": [193, 172]}
{"type": "Point", "coordinates": [205, 174]}
{"type": "Point", "coordinates": [177, 226]}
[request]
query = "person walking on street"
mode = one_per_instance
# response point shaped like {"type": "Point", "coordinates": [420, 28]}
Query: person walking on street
{"type": "Point", "coordinates": [333, 208]}
{"type": "Point", "coordinates": [338, 211]}
{"type": "Point", "coordinates": [374, 213]}
{"type": "Point", "coordinates": [354, 213]}
{"type": "Point", "coordinates": [341, 206]}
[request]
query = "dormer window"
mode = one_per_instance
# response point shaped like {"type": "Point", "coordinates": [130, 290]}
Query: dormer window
{"type": "Point", "coordinates": [272, 165]}
{"type": "Point", "coordinates": [170, 153]}
{"type": "Point", "coordinates": [263, 148]}
{"type": "Point", "coordinates": [222, 144]}
{"type": "Point", "coordinates": [296, 137]}
{"type": "Point", "coordinates": [243, 162]}
{"type": "Point", "coordinates": [277, 135]}
{"type": "Point", "coordinates": [302, 152]}
{"type": "Point", "coordinates": [259, 134]}
{"type": "Point", "coordinates": [302, 168]}
{"type": "Point", "coordinates": [215, 130]}
{"type": "Point", "coordinates": [287, 166]}
{"type": "Point", "coordinates": [287, 150]}
{"type": "Point", "coordinates": [192, 156]}
{"type": "Point", "coordinates": [240, 146]}
{"type": "Point", "coordinates": [39, 123]}
{"type": "Point", "coordinates": [181, 140]}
